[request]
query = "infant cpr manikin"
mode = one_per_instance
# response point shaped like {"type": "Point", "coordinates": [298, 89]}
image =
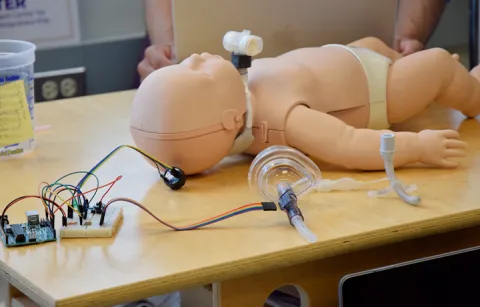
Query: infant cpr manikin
{"type": "Point", "coordinates": [332, 103]}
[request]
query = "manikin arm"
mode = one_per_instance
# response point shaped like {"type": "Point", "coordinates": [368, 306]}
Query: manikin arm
{"type": "Point", "coordinates": [331, 140]}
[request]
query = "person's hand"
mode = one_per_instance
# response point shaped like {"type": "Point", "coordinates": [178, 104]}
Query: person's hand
{"type": "Point", "coordinates": [407, 46]}
{"type": "Point", "coordinates": [156, 56]}
{"type": "Point", "coordinates": [439, 146]}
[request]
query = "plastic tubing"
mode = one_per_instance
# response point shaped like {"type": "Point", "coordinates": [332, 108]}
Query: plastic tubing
{"type": "Point", "coordinates": [299, 224]}
{"type": "Point", "coordinates": [387, 150]}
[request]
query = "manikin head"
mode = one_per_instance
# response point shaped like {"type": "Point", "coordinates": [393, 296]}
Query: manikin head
{"type": "Point", "coordinates": [188, 115]}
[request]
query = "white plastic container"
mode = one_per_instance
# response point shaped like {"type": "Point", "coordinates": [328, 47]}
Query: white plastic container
{"type": "Point", "coordinates": [17, 59]}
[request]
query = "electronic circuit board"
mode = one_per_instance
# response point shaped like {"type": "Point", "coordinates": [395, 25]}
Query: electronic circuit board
{"type": "Point", "coordinates": [25, 234]}
{"type": "Point", "coordinates": [91, 228]}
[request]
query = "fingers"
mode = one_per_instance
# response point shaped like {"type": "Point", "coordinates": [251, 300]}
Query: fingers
{"type": "Point", "coordinates": [454, 153]}
{"type": "Point", "coordinates": [449, 164]}
{"type": "Point", "coordinates": [451, 134]}
{"type": "Point", "coordinates": [158, 56]}
{"type": "Point", "coordinates": [409, 46]}
{"type": "Point", "coordinates": [144, 69]}
{"type": "Point", "coordinates": [455, 144]}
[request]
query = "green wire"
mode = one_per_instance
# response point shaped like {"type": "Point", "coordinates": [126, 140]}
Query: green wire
{"type": "Point", "coordinates": [61, 185]}
{"type": "Point", "coordinates": [83, 172]}
{"type": "Point", "coordinates": [72, 192]}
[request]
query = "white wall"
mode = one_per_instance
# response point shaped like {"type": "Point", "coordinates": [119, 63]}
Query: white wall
{"type": "Point", "coordinates": [109, 20]}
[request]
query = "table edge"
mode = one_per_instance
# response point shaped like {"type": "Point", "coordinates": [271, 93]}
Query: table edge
{"type": "Point", "coordinates": [289, 257]}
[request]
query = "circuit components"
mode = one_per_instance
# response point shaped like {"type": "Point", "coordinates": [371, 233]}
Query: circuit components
{"type": "Point", "coordinates": [92, 227]}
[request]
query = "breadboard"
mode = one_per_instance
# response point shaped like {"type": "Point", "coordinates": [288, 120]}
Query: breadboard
{"type": "Point", "coordinates": [93, 229]}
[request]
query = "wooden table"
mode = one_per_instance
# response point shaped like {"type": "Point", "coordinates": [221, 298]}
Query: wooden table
{"type": "Point", "coordinates": [245, 257]}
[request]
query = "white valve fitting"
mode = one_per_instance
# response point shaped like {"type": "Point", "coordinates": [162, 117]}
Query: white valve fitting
{"type": "Point", "coordinates": [243, 43]}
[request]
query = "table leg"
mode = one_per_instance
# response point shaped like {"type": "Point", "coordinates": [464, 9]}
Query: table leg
{"type": "Point", "coordinates": [318, 280]}
{"type": "Point", "coordinates": [12, 297]}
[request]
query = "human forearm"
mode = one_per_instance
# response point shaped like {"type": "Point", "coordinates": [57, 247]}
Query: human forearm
{"type": "Point", "coordinates": [331, 140]}
{"type": "Point", "coordinates": [417, 19]}
{"type": "Point", "coordinates": [159, 20]}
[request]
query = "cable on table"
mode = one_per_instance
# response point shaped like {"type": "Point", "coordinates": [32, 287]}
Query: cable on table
{"type": "Point", "coordinates": [261, 206]}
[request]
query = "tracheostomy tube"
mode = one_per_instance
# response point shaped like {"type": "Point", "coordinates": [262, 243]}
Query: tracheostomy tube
{"type": "Point", "coordinates": [387, 150]}
{"type": "Point", "coordinates": [243, 46]}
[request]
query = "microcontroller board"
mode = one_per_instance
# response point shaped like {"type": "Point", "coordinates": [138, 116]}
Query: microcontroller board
{"type": "Point", "coordinates": [34, 231]}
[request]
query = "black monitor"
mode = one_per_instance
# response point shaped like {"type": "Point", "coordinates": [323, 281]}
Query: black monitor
{"type": "Point", "coordinates": [446, 280]}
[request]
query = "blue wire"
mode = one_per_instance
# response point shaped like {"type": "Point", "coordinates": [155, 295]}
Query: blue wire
{"type": "Point", "coordinates": [82, 181]}
{"type": "Point", "coordinates": [222, 218]}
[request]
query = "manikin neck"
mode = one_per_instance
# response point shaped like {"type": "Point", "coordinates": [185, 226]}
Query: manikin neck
{"type": "Point", "coordinates": [244, 138]}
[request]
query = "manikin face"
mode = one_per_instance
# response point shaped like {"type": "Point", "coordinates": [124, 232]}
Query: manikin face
{"type": "Point", "coordinates": [211, 66]}
{"type": "Point", "coordinates": [191, 107]}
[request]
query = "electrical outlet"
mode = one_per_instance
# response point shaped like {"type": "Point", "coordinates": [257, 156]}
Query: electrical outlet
{"type": "Point", "coordinates": [60, 84]}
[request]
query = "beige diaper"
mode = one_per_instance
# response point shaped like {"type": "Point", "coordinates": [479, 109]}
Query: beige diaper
{"type": "Point", "coordinates": [376, 69]}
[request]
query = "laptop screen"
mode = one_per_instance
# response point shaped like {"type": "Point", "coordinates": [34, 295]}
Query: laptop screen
{"type": "Point", "coordinates": [447, 280]}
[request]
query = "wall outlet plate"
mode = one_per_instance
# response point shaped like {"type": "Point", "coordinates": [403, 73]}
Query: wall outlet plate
{"type": "Point", "coordinates": [60, 84]}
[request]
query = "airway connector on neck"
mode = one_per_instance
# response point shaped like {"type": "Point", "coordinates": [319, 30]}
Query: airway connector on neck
{"type": "Point", "coordinates": [241, 61]}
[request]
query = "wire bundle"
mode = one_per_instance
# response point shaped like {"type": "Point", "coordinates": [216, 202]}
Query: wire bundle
{"type": "Point", "coordinates": [263, 206]}
{"type": "Point", "coordinates": [78, 202]}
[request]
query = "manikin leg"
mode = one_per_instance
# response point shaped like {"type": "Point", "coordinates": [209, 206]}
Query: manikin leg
{"type": "Point", "coordinates": [431, 75]}
{"type": "Point", "coordinates": [378, 46]}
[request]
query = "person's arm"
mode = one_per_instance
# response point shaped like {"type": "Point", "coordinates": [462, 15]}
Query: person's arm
{"type": "Point", "coordinates": [159, 20]}
{"type": "Point", "coordinates": [416, 21]}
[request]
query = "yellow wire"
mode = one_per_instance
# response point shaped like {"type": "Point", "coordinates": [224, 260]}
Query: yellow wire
{"type": "Point", "coordinates": [63, 200]}
{"type": "Point", "coordinates": [41, 197]}
{"type": "Point", "coordinates": [116, 150]}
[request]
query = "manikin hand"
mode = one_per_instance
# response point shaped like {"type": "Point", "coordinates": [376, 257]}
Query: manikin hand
{"type": "Point", "coordinates": [156, 56]}
{"type": "Point", "coordinates": [438, 146]}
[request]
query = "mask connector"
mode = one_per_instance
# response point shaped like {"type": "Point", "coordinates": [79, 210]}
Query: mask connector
{"type": "Point", "coordinates": [287, 201]}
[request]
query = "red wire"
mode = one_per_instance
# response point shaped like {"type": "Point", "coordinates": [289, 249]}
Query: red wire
{"type": "Point", "coordinates": [225, 213]}
{"type": "Point", "coordinates": [32, 196]}
{"type": "Point", "coordinates": [110, 187]}
{"type": "Point", "coordinates": [89, 191]}
{"type": "Point", "coordinates": [133, 202]}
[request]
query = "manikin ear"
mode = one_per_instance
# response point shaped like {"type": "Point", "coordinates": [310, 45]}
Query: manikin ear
{"type": "Point", "coordinates": [230, 119]}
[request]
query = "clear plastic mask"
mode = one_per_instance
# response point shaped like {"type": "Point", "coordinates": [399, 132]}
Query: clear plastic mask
{"type": "Point", "coordinates": [282, 164]}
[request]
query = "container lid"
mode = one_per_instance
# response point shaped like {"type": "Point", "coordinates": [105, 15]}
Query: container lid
{"type": "Point", "coordinates": [14, 53]}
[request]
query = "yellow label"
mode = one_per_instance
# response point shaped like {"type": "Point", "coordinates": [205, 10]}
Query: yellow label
{"type": "Point", "coordinates": [15, 122]}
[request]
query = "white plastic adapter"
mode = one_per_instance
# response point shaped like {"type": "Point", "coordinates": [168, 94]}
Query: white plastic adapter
{"type": "Point", "coordinates": [92, 229]}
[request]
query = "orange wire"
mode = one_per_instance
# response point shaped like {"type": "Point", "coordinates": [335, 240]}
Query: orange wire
{"type": "Point", "coordinates": [109, 188]}
{"type": "Point", "coordinates": [222, 214]}
{"type": "Point", "coordinates": [41, 197]}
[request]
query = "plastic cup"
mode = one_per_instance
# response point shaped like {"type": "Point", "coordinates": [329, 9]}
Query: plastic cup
{"type": "Point", "coordinates": [17, 59]}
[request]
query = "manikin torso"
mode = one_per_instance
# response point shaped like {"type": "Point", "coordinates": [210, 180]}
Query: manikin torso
{"type": "Point", "coordinates": [300, 77]}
